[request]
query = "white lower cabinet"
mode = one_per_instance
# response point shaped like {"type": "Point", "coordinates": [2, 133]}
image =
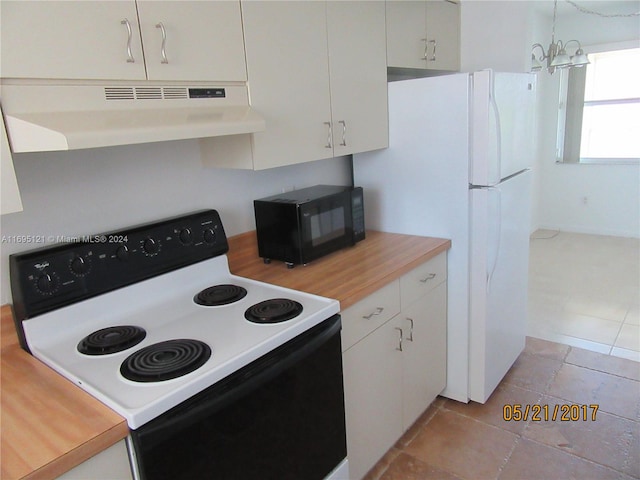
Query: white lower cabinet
{"type": "Point", "coordinates": [110, 464]}
{"type": "Point", "coordinates": [396, 368]}
{"type": "Point", "coordinates": [424, 348]}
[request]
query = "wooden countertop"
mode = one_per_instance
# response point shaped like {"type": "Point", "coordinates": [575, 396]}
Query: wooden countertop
{"type": "Point", "coordinates": [348, 275]}
{"type": "Point", "coordinates": [49, 425]}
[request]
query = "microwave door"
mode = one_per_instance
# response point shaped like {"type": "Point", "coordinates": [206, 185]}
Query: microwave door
{"type": "Point", "coordinates": [326, 227]}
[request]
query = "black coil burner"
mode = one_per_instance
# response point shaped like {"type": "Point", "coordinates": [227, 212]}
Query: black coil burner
{"type": "Point", "coordinates": [274, 310]}
{"type": "Point", "coordinates": [111, 340]}
{"type": "Point", "coordinates": [165, 360]}
{"type": "Point", "coordinates": [220, 295]}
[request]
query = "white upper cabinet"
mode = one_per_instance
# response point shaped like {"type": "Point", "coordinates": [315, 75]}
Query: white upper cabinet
{"type": "Point", "coordinates": [357, 68]}
{"type": "Point", "coordinates": [423, 34]}
{"type": "Point", "coordinates": [443, 35]}
{"type": "Point", "coordinates": [192, 40]}
{"type": "Point", "coordinates": [317, 73]}
{"type": "Point", "coordinates": [10, 201]}
{"type": "Point", "coordinates": [288, 70]}
{"type": "Point", "coordinates": [183, 40]}
{"type": "Point", "coordinates": [71, 40]}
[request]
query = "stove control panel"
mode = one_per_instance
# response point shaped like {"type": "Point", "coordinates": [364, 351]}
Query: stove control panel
{"type": "Point", "coordinates": [52, 277]}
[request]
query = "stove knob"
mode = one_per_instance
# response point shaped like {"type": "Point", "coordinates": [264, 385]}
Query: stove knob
{"type": "Point", "coordinates": [186, 236]}
{"type": "Point", "coordinates": [46, 284]}
{"type": "Point", "coordinates": [150, 247]}
{"type": "Point", "coordinates": [80, 266]}
{"type": "Point", "coordinates": [209, 236]}
{"type": "Point", "coordinates": [122, 253]}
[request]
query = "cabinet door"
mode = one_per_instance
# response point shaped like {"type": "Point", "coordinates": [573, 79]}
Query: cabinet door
{"type": "Point", "coordinates": [443, 35]}
{"type": "Point", "coordinates": [202, 40]}
{"type": "Point", "coordinates": [288, 73]}
{"type": "Point", "coordinates": [10, 201]}
{"type": "Point", "coordinates": [406, 34]}
{"type": "Point", "coordinates": [424, 327]}
{"type": "Point", "coordinates": [373, 397]}
{"type": "Point", "coordinates": [75, 40]}
{"type": "Point", "coordinates": [358, 75]}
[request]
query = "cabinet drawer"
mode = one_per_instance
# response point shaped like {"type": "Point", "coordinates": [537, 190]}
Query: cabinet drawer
{"type": "Point", "coordinates": [368, 314]}
{"type": "Point", "coordinates": [423, 279]}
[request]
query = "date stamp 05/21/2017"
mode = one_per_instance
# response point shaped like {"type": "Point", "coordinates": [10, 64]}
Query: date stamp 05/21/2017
{"type": "Point", "coordinates": [543, 413]}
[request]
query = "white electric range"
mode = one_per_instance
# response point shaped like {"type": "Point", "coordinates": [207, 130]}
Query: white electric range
{"type": "Point", "coordinates": [151, 322]}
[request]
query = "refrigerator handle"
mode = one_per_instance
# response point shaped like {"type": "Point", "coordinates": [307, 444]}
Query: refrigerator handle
{"type": "Point", "coordinates": [494, 262]}
{"type": "Point", "coordinates": [496, 113]}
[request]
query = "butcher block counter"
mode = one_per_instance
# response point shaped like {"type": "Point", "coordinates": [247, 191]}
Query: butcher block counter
{"type": "Point", "coordinates": [49, 425]}
{"type": "Point", "coordinates": [348, 275]}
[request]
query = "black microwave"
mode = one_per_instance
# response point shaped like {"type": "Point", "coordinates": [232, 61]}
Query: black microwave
{"type": "Point", "coordinates": [302, 225]}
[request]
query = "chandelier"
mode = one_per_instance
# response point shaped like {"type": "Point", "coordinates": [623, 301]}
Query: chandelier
{"type": "Point", "coordinates": [556, 55]}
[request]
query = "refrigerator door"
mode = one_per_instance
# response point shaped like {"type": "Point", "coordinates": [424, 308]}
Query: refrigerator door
{"type": "Point", "coordinates": [499, 262]}
{"type": "Point", "coordinates": [502, 126]}
{"type": "Point", "coordinates": [420, 186]}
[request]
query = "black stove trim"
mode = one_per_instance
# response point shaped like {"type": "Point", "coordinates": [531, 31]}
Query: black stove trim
{"type": "Point", "coordinates": [66, 283]}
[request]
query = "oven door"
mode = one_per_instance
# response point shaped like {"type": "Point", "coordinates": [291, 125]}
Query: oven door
{"type": "Point", "coordinates": [326, 225]}
{"type": "Point", "coordinates": [280, 417]}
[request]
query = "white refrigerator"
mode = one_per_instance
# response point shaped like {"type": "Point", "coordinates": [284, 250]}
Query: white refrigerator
{"type": "Point", "coordinates": [458, 167]}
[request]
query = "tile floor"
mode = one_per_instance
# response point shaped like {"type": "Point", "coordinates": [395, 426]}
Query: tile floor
{"type": "Point", "coordinates": [584, 295]}
{"type": "Point", "coordinates": [453, 440]}
{"type": "Point", "coordinates": [584, 290]}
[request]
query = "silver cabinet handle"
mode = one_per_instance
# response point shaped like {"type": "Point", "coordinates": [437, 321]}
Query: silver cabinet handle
{"type": "Point", "coordinates": [431, 276]}
{"type": "Point", "coordinates": [344, 133]}
{"type": "Point", "coordinates": [410, 337]}
{"type": "Point", "coordinates": [329, 136]}
{"type": "Point", "coordinates": [163, 51]}
{"type": "Point", "coordinates": [130, 58]}
{"type": "Point", "coordinates": [399, 347]}
{"type": "Point", "coordinates": [428, 42]}
{"type": "Point", "coordinates": [433, 56]}
{"type": "Point", "coordinates": [378, 311]}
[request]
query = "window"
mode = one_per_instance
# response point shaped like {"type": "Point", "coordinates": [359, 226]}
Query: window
{"type": "Point", "coordinates": [600, 110]}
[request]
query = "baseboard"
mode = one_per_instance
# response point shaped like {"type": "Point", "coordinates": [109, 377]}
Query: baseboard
{"type": "Point", "coordinates": [589, 230]}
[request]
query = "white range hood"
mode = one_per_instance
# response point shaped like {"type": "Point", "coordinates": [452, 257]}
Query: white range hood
{"type": "Point", "coordinates": [51, 117]}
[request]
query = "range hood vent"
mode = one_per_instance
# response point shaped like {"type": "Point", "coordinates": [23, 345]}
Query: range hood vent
{"type": "Point", "coordinates": [67, 117]}
{"type": "Point", "coordinates": [145, 93]}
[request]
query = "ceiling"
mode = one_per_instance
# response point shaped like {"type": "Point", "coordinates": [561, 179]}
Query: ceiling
{"type": "Point", "coordinates": [606, 7]}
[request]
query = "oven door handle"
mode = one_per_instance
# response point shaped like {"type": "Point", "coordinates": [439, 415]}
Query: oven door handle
{"type": "Point", "coordinates": [239, 384]}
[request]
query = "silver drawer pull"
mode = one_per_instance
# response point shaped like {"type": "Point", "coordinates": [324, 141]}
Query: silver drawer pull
{"type": "Point", "coordinates": [378, 311]}
{"type": "Point", "coordinates": [399, 347]}
{"type": "Point", "coordinates": [431, 276]}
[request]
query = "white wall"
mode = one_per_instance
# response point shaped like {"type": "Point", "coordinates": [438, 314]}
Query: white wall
{"type": "Point", "coordinates": [495, 34]}
{"type": "Point", "coordinates": [612, 192]}
{"type": "Point", "coordinates": [86, 192]}
{"type": "Point", "coordinates": [499, 35]}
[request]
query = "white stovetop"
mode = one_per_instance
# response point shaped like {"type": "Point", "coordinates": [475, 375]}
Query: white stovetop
{"type": "Point", "coordinates": [164, 307]}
